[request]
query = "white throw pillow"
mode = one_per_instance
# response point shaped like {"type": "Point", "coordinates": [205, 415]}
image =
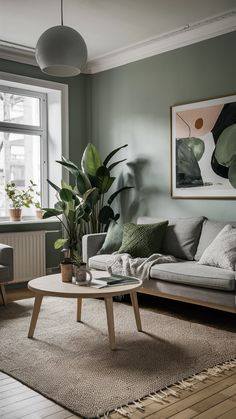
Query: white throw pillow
{"type": "Point", "coordinates": [222, 251]}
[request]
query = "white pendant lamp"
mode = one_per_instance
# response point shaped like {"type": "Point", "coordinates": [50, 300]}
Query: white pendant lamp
{"type": "Point", "coordinates": [61, 51]}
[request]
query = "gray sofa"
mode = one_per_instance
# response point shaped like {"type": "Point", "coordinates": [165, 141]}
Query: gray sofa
{"type": "Point", "coordinates": [6, 268]}
{"type": "Point", "coordinates": [186, 239]}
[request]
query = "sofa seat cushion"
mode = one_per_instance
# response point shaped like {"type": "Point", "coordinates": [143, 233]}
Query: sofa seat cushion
{"type": "Point", "coordinates": [4, 273]}
{"type": "Point", "coordinates": [191, 273]}
{"type": "Point", "coordinates": [99, 262]}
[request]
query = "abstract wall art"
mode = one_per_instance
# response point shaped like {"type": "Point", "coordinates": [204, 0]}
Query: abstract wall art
{"type": "Point", "coordinates": [203, 149]}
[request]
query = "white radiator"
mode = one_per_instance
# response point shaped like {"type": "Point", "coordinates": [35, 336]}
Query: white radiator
{"type": "Point", "coordinates": [29, 254]}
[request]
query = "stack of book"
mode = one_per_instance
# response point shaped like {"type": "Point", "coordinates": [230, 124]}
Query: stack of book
{"type": "Point", "coordinates": [113, 281]}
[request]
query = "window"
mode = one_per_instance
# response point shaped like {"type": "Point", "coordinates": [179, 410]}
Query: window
{"type": "Point", "coordinates": [23, 142]}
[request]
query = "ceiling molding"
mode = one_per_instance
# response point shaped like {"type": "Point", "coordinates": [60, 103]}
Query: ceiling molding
{"type": "Point", "coordinates": [19, 53]}
{"type": "Point", "coordinates": [187, 35]}
{"type": "Point", "coordinates": [190, 34]}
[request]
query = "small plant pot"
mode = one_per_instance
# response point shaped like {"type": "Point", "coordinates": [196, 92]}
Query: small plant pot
{"type": "Point", "coordinates": [39, 214]}
{"type": "Point", "coordinates": [15, 214]}
{"type": "Point", "coordinates": [66, 272]}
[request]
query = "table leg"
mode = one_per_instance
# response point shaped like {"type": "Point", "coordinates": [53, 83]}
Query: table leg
{"type": "Point", "coordinates": [110, 321]}
{"type": "Point", "coordinates": [34, 318]}
{"type": "Point", "coordinates": [3, 293]}
{"type": "Point", "coordinates": [79, 308]}
{"type": "Point", "coordinates": [134, 300]}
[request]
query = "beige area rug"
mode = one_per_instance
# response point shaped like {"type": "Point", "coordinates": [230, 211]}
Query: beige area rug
{"type": "Point", "coordinates": [71, 363]}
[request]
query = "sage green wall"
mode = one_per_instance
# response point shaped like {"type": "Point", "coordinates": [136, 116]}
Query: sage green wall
{"type": "Point", "coordinates": [131, 104]}
{"type": "Point", "coordinates": [77, 139]}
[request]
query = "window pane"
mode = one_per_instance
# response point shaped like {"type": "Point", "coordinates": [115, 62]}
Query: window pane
{"type": "Point", "coordinates": [19, 109]}
{"type": "Point", "coordinates": [20, 163]}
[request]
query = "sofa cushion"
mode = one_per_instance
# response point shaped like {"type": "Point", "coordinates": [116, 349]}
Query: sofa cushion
{"type": "Point", "coordinates": [142, 240]}
{"type": "Point", "coordinates": [190, 273]}
{"type": "Point", "coordinates": [181, 237]}
{"type": "Point", "coordinates": [210, 229]}
{"type": "Point", "coordinates": [99, 262]}
{"type": "Point", "coordinates": [222, 251]}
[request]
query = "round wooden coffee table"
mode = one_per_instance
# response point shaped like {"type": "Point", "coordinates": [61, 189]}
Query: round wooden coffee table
{"type": "Point", "coordinates": [52, 285]}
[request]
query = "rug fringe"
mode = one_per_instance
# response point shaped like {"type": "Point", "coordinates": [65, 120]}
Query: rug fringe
{"type": "Point", "coordinates": [174, 390]}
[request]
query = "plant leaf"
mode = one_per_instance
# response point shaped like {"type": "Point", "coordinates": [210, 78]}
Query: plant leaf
{"type": "Point", "coordinates": [91, 197]}
{"type": "Point", "coordinates": [53, 185]}
{"type": "Point", "coordinates": [66, 185]}
{"type": "Point", "coordinates": [109, 157]}
{"type": "Point", "coordinates": [106, 214]}
{"type": "Point", "coordinates": [60, 206]}
{"type": "Point", "coordinates": [66, 194]}
{"type": "Point", "coordinates": [91, 160]}
{"type": "Point", "coordinates": [69, 165]}
{"type": "Point", "coordinates": [50, 212]}
{"type": "Point", "coordinates": [83, 183]}
{"type": "Point", "coordinates": [104, 183]}
{"type": "Point", "coordinates": [102, 171]}
{"type": "Point", "coordinates": [117, 216]}
{"type": "Point", "coordinates": [114, 195]}
{"type": "Point", "coordinates": [59, 243]}
{"type": "Point", "coordinates": [115, 164]}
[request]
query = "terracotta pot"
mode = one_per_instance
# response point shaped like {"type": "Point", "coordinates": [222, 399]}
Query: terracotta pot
{"type": "Point", "coordinates": [66, 272]}
{"type": "Point", "coordinates": [15, 214]}
{"type": "Point", "coordinates": [39, 214]}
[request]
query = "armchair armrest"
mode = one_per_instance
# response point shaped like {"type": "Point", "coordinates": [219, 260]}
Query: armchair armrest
{"type": "Point", "coordinates": [91, 244]}
{"type": "Point", "coordinates": [6, 259]}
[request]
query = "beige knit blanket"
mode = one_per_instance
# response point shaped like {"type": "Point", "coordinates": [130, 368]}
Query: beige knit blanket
{"type": "Point", "coordinates": [123, 264]}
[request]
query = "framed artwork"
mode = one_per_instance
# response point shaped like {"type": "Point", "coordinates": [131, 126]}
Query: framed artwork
{"type": "Point", "coordinates": [203, 149]}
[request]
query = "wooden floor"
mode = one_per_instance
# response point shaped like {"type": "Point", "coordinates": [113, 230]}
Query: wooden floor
{"type": "Point", "coordinates": [213, 398]}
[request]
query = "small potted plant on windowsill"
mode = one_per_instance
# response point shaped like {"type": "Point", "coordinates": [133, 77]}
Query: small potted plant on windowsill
{"type": "Point", "coordinates": [19, 198]}
{"type": "Point", "coordinates": [39, 211]}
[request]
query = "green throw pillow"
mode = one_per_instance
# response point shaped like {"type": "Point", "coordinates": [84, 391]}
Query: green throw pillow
{"type": "Point", "coordinates": [142, 240]}
{"type": "Point", "coordinates": [113, 239]}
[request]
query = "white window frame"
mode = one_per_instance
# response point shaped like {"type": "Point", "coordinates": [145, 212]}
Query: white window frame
{"type": "Point", "coordinates": [39, 130]}
{"type": "Point", "coordinates": [58, 140]}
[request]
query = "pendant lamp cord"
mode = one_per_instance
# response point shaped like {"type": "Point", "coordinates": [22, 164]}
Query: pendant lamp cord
{"type": "Point", "coordinates": [61, 12]}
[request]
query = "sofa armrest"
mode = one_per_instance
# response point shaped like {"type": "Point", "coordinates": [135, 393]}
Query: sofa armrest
{"type": "Point", "coordinates": [91, 244]}
{"type": "Point", "coordinates": [6, 259]}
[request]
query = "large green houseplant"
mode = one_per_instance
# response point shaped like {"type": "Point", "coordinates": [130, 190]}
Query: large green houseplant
{"type": "Point", "coordinates": [95, 174]}
{"type": "Point", "coordinates": [81, 207]}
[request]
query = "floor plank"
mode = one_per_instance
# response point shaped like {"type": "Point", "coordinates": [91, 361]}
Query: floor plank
{"type": "Point", "coordinates": [11, 400]}
{"type": "Point", "coordinates": [217, 410]}
{"type": "Point", "coordinates": [231, 414]}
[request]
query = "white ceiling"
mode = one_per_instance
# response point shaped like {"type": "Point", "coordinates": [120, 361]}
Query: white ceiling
{"type": "Point", "coordinates": [106, 25]}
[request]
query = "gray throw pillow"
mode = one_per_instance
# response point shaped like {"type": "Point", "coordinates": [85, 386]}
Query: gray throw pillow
{"type": "Point", "coordinates": [221, 252]}
{"type": "Point", "coordinates": [113, 239]}
{"type": "Point", "coordinates": [181, 236]}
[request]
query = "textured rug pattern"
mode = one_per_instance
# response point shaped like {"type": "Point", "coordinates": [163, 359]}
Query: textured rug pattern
{"type": "Point", "coordinates": [72, 364]}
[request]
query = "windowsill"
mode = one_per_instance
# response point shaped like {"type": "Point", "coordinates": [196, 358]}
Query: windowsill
{"type": "Point", "coordinates": [29, 221]}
